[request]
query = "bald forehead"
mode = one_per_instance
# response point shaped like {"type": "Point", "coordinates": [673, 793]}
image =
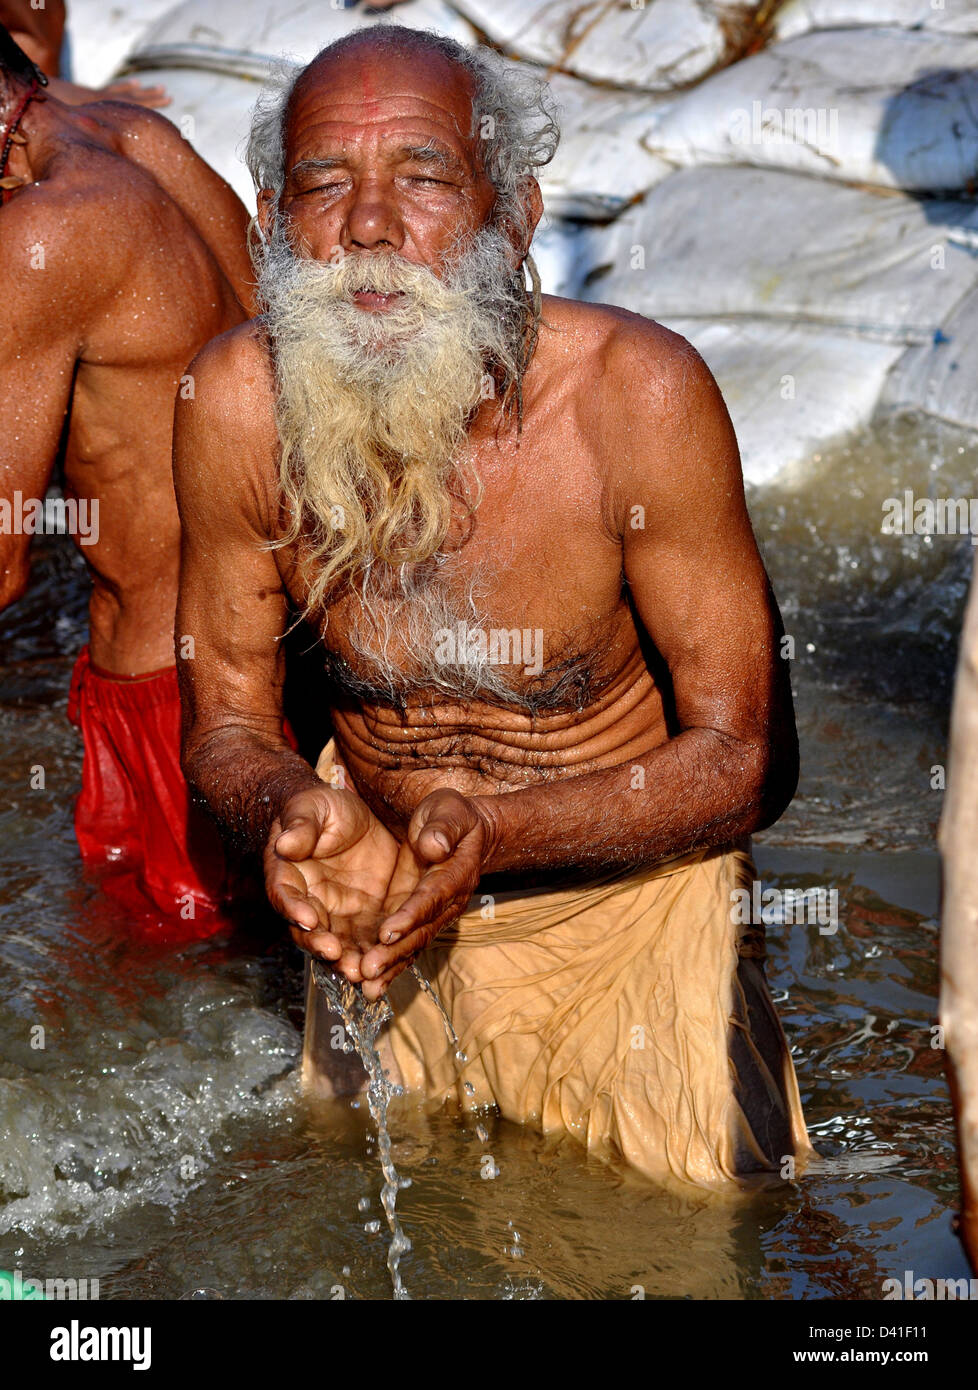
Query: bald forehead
{"type": "Point", "coordinates": [366, 82]}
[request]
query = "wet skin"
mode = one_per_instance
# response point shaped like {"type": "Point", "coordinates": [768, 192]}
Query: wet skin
{"type": "Point", "coordinates": [143, 261]}
{"type": "Point", "coordinates": [619, 414]}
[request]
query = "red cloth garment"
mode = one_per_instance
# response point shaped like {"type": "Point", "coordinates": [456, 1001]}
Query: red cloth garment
{"type": "Point", "coordinates": [135, 815]}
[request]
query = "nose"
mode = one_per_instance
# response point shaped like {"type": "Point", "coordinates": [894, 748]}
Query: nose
{"type": "Point", "coordinates": [372, 222]}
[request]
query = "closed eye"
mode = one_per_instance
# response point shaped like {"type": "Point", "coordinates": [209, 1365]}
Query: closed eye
{"type": "Point", "coordinates": [320, 188]}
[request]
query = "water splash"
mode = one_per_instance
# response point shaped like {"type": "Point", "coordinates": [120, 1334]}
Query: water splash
{"type": "Point", "coordinates": [460, 1056]}
{"type": "Point", "coordinates": [449, 1026]}
{"type": "Point", "coordinates": [363, 1022]}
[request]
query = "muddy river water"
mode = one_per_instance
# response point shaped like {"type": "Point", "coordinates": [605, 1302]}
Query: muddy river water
{"type": "Point", "coordinates": [151, 1129]}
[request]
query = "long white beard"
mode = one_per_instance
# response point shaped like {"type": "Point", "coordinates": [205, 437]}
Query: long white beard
{"type": "Point", "coordinates": [373, 407]}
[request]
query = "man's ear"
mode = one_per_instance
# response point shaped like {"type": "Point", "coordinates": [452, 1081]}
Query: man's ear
{"type": "Point", "coordinates": [532, 200]}
{"type": "Point", "coordinates": [520, 239]}
{"type": "Point", "coordinates": [266, 211]}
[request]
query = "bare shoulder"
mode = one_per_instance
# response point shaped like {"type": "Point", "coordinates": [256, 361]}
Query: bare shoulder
{"type": "Point", "coordinates": [623, 352]}
{"type": "Point", "coordinates": [233, 379]}
{"type": "Point", "coordinates": [652, 411]}
{"type": "Point", "coordinates": [225, 440]}
{"type": "Point", "coordinates": [87, 202]}
{"type": "Point", "coordinates": [152, 141]}
{"type": "Point", "coordinates": [61, 246]}
{"type": "Point", "coordinates": [144, 136]}
{"type": "Point", "coordinates": [141, 121]}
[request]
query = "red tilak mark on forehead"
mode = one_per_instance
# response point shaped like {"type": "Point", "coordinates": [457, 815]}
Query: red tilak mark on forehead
{"type": "Point", "coordinates": [369, 93]}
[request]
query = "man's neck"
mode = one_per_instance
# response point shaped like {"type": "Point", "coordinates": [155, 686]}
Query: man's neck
{"type": "Point", "coordinates": [17, 102]}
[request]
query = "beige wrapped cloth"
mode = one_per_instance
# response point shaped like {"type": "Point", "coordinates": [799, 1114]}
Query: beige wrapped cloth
{"type": "Point", "coordinates": [631, 1012]}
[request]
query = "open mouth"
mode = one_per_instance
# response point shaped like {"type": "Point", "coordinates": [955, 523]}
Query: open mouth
{"type": "Point", "coordinates": [376, 302]}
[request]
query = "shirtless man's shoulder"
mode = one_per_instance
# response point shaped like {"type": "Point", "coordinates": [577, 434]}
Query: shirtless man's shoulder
{"type": "Point", "coordinates": [579, 342]}
{"type": "Point", "coordinates": [232, 408]}
{"type": "Point", "coordinates": [85, 215]}
{"type": "Point", "coordinates": [631, 381]}
{"type": "Point", "coordinates": [615, 348]}
{"type": "Point", "coordinates": [114, 276]}
{"type": "Point", "coordinates": [111, 180]}
{"type": "Point", "coordinates": [209, 204]}
{"type": "Point", "coordinates": [235, 385]}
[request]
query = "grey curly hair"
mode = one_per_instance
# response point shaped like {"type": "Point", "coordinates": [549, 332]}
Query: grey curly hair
{"type": "Point", "coordinates": [513, 113]}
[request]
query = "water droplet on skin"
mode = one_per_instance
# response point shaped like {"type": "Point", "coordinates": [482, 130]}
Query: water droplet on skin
{"type": "Point", "coordinates": [371, 1227]}
{"type": "Point", "coordinates": [469, 1088]}
{"type": "Point", "coordinates": [363, 1204]}
{"type": "Point", "coordinates": [482, 1134]}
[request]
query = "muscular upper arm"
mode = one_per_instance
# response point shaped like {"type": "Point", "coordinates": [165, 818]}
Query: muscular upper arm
{"type": "Point", "coordinates": [231, 601]}
{"type": "Point", "coordinates": [690, 557]}
{"type": "Point", "coordinates": [208, 202]}
{"type": "Point", "coordinates": [43, 308]}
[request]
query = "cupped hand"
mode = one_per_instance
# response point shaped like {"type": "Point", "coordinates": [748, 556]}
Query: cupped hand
{"type": "Point", "coordinates": [437, 871]}
{"type": "Point", "coordinates": [329, 863]}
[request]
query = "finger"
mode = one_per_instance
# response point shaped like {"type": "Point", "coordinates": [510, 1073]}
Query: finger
{"type": "Point", "coordinates": [439, 825]}
{"type": "Point", "coordinates": [295, 904]}
{"type": "Point", "coordinates": [131, 89]}
{"type": "Point", "coordinates": [317, 825]}
{"type": "Point", "coordinates": [379, 959]}
{"type": "Point", "coordinates": [435, 842]}
{"type": "Point", "coordinates": [427, 901]}
{"type": "Point", "coordinates": [376, 989]}
{"type": "Point", "coordinates": [349, 966]}
{"type": "Point", "coordinates": [443, 889]}
{"type": "Point", "coordinates": [299, 836]}
{"type": "Point", "coordinates": [317, 943]}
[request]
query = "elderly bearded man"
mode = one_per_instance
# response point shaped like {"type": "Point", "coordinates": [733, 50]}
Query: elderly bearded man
{"type": "Point", "coordinates": [421, 457]}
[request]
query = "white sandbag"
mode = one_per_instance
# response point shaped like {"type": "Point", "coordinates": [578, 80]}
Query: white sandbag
{"type": "Point", "coordinates": [883, 106]}
{"type": "Point", "coordinates": [790, 389]}
{"type": "Point", "coordinates": [99, 37]}
{"type": "Point", "coordinates": [245, 36]}
{"type": "Point", "coordinates": [801, 16]}
{"type": "Point", "coordinates": [657, 45]}
{"type": "Point", "coordinates": [562, 253]}
{"type": "Point", "coordinates": [601, 165]}
{"type": "Point", "coordinates": [940, 377]}
{"type": "Point", "coordinates": [720, 243]}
